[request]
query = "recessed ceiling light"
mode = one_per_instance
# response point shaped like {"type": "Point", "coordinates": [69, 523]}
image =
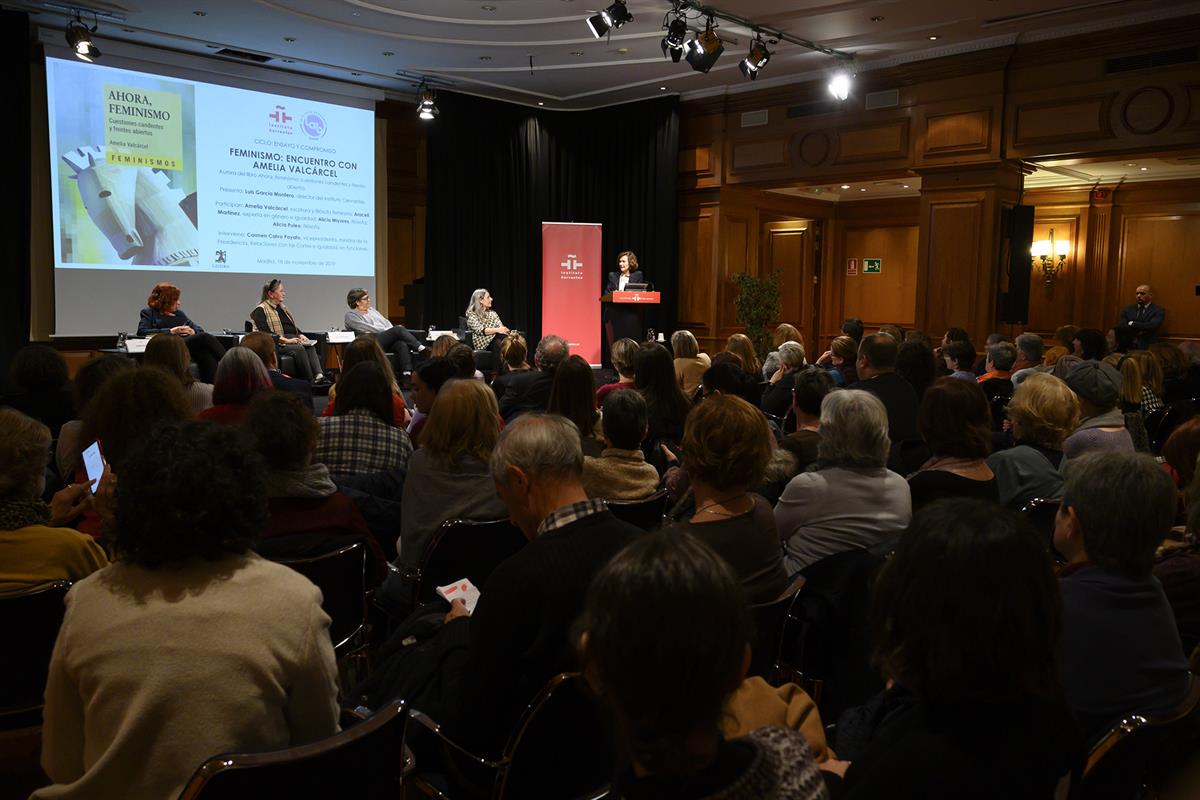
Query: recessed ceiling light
{"type": "Point", "coordinates": [540, 103]}
{"type": "Point", "coordinates": [289, 38]}
{"type": "Point", "coordinates": [815, 190]}
{"type": "Point", "coordinates": [200, 13]}
{"type": "Point", "coordinates": [576, 52]}
{"type": "Point", "coordinates": [662, 88]}
{"type": "Point", "coordinates": [485, 58]}
{"type": "Point", "coordinates": [388, 53]}
{"type": "Point", "coordinates": [845, 186]}
{"type": "Point", "coordinates": [862, 190]}
{"type": "Point", "coordinates": [1145, 169]}
{"type": "Point", "coordinates": [1131, 164]}
{"type": "Point", "coordinates": [906, 186]}
{"type": "Point", "coordinates": [289, 61]}
{"type": "Point", "coordinates": [876, 19]}
{"type": "Point", "coordinates": [622, 50]}
{"type": "Point", "coordinates": [127, 30]}
{"type": "Point", "coordinates": [356, 74]}
{"type": "Point", "coordinates": [488, 8]}
{"type": "Point", "coordinates": [933, 38]}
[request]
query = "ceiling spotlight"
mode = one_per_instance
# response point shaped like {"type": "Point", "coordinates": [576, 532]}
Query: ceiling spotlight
{"type": "Point", "coordinates": [705, 48]}
{"type": "Point", "coordinates": [845, 186]}
{"type": "Point", "coordinates": [839, 84]}
{"type": "Point", "coordinates": [614, 16]}
{"type": "Point", "coordinates": [675, 39]}
{"type": "Point", "coordinates": [933, 38]}
{"type": "Point", "coordinates": [426, 107]}
{"type": "Point", "coordinates": [79, 37]}
{"type": "Point", "coordinates": [756, 60]}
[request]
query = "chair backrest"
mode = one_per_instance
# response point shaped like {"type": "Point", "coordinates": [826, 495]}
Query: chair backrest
{"type": "Point", "coordinates": [1040, 513]}
{"type": "Point", "coordinates": [364, 761]}
{"type": "Point", "coordinates": [769, 621]}
{"type": "Point", "coordinates": [341, 576]}
{"type": "Point", "coordinates": [30, 623]}
{"type": "Point", "coordinates": [999, 406]}
{"type": "Point", "coordinates": [1120, 760]}
{"type": "Point", "coordinates": [646, 514]}
{"type": "Point", "coordinates": [560, 747]}
{"type": "Point", "coordinates": [1162, 423]}
{"type": "Point", "coordinates": [466, 549]}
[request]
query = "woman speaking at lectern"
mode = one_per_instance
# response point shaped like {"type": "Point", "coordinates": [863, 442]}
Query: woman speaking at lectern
{"type": "Point", "coordinates": [622, 322]}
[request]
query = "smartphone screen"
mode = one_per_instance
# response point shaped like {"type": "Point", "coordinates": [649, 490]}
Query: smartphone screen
{"type": "Point", "coordinates": [93, 462]}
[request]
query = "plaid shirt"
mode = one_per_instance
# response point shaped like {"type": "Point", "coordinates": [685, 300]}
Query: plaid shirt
{"type": "Point", "coordinates": [573, 513]}
{"type": "Point", "coordinates": [477, 323]}
{"type": "Point", "coordinates": [357, 442]}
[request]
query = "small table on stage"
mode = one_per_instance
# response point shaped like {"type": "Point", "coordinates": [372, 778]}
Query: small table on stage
{"type": "Point", "coordinates": [624, 314]}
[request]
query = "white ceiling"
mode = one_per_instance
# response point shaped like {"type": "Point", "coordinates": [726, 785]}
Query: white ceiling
{"type": "Point", "coordinates": [484, 46]}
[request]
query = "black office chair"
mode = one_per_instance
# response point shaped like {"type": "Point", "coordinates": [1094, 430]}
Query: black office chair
{"type": "Point", "coordinates": [465, 549]}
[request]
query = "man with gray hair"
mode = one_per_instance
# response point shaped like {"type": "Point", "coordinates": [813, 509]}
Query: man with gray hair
{"type": "Point", "coordinates": [1029, 357]}
{"type": "Point", "coordinates": [517, 637]}
{"type": "Point", "coordinates": [1119, 651]}
{"type": "Point", "coordinates": [530, 391]}
{"type": "Point", "coordinates": [997, 380]}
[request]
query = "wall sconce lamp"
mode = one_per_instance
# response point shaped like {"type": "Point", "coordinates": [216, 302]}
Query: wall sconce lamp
{"type": "Point", "coordinates": [1051, 256]}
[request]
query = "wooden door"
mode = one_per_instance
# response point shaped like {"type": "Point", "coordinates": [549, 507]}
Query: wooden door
{"type": "Point", "coordinates": [787, 248]}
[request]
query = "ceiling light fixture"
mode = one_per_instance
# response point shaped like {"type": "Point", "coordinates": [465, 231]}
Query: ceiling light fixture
{"type": "Point", "coordinates": [757, 59]}
{"type": "Point", "coordinates": [933, 38]}
{"type": "Point", "coordinates": [614, 16]}
{"type": "Point", "coordinates": [426, 107]}
{"type": "Point", "coordinates": [705, 48]}
{"type": "Point", "coordinates": [79, 37]}
{"type": "Point", "coordinates": [672, 44]}
{"type": "Point", "coordinates": [840, 84]}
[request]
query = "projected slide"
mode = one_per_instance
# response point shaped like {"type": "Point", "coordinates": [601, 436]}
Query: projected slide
{"type": "Point", "coordinates": [166, 174]}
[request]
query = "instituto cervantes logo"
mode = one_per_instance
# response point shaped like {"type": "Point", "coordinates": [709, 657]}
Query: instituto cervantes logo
{"type": "Point", "coordinates": [281, 121]}
{"type": "Point", "coordinates": [572, 268]}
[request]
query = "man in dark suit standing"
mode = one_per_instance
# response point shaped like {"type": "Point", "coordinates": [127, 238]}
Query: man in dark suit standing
{"type": "Point", "coordinates": [530, 391]}
{"type": "Point", "coordinates": [1143, 318]}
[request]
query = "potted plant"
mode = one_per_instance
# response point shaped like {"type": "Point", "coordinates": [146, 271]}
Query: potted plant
{"type": "Point", "coordinates": [755, 305]}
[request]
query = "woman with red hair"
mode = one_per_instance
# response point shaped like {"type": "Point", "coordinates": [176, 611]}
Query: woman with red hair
{"type": "Point", "coordinates": [162, 314]}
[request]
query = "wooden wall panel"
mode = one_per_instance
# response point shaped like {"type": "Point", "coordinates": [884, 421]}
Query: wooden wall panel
{"type": "Point", "coordinates": [758, 155]}
{"type": "Point", "coordinates": [738, 251]}
{"type": "Point", "coordinates": [890, 296]}
{"type": "Point", "coordinates": [784, 249]}
{"type": "Point", "coordinates": [873, 142]}
{"type": "Point", "coordinates": [1162, 249]}
{"type": "Point", "coordinates": [953, 227]}
{"type": "Point", "coordinates": [696, 273]}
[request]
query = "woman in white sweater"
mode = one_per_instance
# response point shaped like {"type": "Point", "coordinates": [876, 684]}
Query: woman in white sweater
{"type": "Point", "coordinates": [190, 645]}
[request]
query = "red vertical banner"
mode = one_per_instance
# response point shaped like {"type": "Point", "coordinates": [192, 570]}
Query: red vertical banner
{"type": "Point", "coordinates": [571, 284]}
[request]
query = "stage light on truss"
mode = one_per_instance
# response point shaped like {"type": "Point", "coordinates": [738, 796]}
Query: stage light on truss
{"type": "Point", "coordinates": [426, 107]}
{"type": "Point", "coordinates": [79, 37]}
{"type": "Point", "coordinates": [614, 16]}
{"type": "Point", "coordinates": [673, 43]}
{"type": "Point", "coordinates": [840, 84]}
{"type": "Point", "coordinates": [755, 60]}
{"type": "Point", "coordinates": [704, 49]}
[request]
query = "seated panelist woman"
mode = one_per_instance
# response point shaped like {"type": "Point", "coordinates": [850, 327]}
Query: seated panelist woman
{"type": "Point", "coordinates": [621, 322]}
{"type": "Point", "coordinates": [272, 316]}
{"type": "Point", "coordinates": [162, 314]}
{"type": "Point", "coordinates": [363, 319]}
{"type": "Point", "coordinates": [487, 331]}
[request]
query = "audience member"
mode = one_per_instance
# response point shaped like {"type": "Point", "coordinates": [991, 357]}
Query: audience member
{"type": "Point", "coordinates": [38, 548]}
{"type": "Point", "coordinates": [361, 436]}
{"type": "Point", "coordinates": [1065, 365]}
{"type": "Point", "coordinates": [894, 331]}
{"type": "Point", "coordinates": [1119, 652]}
{"type": "Point", "coordinates": [513, 352]}
{"type": "Point", "coordinates": [1181, 373]}
{"type": "Point", "coordinates": [916, 364]}
{"type": "Point", "coordinates": [998, 364]}
{"type": "Point", "coordinates": [667, 406]}
{"type": "Point", "coordinates": [240, 375]}
{"type": "Point", "coordinates": [1051, 355]}
{"type": "Point", "coordinates": [740, 345]}
{"type": "Point", "coordinates": [94, 373]}
{"type": "Point", "coordinates": [264, 347]}
{"type": "Point", "coordinates": [191, 644]}
{"type": "Point", "coordinates": [530, 391]}
{"type": "Point", "coordinates": [441, 346]}
{"type": "Point", "coordinates": [877, 375]}
{"type": "Point", "coordinates": [1043, 412]}
{"type": "Point", "coordinates": [1029, 356]}
{"type": "Point", "coordinates": [919, 336]}
{"type": "Point", "coordinates": [573, 395]}
{"type": "Point", "coordinates": [448, 477]}
{"type": "Point", "coordinates": [427, 381]}
{"type": "Point", "coordinates": [367, 348]}
{"type": "Point", "coordinates": [171, 355]}
{"type": "Point", "coordinates": [1089, 344]}
{"type": "Point", "coordinates": [992, 339]}
{"type": "Point", "coordinates": [1151, 371]}
{"type": "Point", "coordinates": [777, 397]}
{"type": "Point", "coordinates": [965, 616]}
{"type": "Point", "coordinates": [853, 327]}
{"type": "Point", "coordinates": [728, 377]}
{"type": "Point", "coordinates": [1101, 423]}
{"type": "Point", "coordinates": [853, 500]}
{"type": "Point", "coordinates": [306, 514]}
{"type": "Point", "coordinates": [783, 333]}
{"type": "Point", "coordinates": [668, 599]}
{"type": "Point", "coordinates": [623, 353]}
{"type": "Point", "coordinates": [690, 363]}
{"type": "Point", "coordinates": [39, 386]}
{"type": "Point", "coordinates": [1181, 450]}
{"type": "Point", "coordinates": [516, 635]}
{"type": "Point", "coordinates": [955, 422]}
{"type": "Point", "coordinates": [839, 360]}
{"type": "Point", "coordinates": [128, 404]}
{"type": "Point", "coordinates": [1131, 398]}
{"type": "Point", "coordinates": [726, 447]}
{"type": "Point", "coordinates": [620, 472]}
{"type": "Point", "coordinates": [811, 387]}
{"type": "Point", "coordinates": [958, 356]}
{"type": "Point", "coordinates": [952, 335]}
{"type": "Point", "coordinates": [463, 359]}
{"type": "Point", "coordinates": [1065, 336]}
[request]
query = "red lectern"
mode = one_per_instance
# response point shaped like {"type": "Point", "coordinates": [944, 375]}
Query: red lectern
{"type": "Point", "coordinates": [625, 319]}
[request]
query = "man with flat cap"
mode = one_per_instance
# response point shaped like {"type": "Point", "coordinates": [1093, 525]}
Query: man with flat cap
{"type": "Point", "coordinates": [1101, 423]}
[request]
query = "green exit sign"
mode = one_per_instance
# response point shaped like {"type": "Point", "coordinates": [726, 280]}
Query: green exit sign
{"type": "Point", "coordinates": [872, 266]}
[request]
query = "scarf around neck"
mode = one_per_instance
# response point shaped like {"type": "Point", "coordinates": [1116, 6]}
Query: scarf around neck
{"type": "Point", "coordinates": [311, 481]}
{"type": "Point", "coordinates": [16, 514]}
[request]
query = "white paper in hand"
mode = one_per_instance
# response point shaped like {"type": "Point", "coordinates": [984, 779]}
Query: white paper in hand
{"type": "Point", "coordinates": [460, 590]}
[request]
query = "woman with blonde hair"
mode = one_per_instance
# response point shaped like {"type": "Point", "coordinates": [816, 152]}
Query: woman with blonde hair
{"type": "Point", "coordinates": [1152, 379]}
{"type": "Point", "coordinates": [740, 345]}
{"type": "Point", "coordinates": [1131, 398]}
{"type": "Point", "coordinates": [170, 354]}
{"type": "Point", "coordinates": [1043, 412]}
{"type": "Point", "coordinates": [448, 476]}
{"type": "Point", "coordinates": [690, 363]}
{"type": "Point", "coordinates": [786, 332]}
{"type": "Point", "coordinates": [514, 352]}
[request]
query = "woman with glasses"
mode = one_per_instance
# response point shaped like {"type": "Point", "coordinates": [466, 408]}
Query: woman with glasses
{"type": "Point", "coordinates": [272, 316]}
{"type": "Point", "coordinates": [363, 319]}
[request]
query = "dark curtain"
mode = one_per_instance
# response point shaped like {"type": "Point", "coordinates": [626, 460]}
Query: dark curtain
{"type": "Point", "coordinates": [15, 201]}
{"type": "Point", "coordinates": [497, 171]}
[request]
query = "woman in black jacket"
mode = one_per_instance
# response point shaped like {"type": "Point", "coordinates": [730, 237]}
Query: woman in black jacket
{"type": "Point", "coordinates": [162, 314]}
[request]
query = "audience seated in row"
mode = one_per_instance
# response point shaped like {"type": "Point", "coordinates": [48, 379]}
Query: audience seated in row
{"type": "Point", "coordinates": [839, 360]}
{"type": "Point", "coordinates": [573, 395]}
{"type": "Point", "coordinates": [361, 436]}
{"type": "Point", "coordinates": [877, 374]}
{"type": "Point", "coordinates": [530, 391]}
{"type": "Point", "coordinates": [667, 406]}
{"type": "Point", "coordinates": [956, 425]}
{"type": "Point", "coordinates": [427, 381]}
{"type": "Point", "coordinates": [39, 385]}
{"type": "Point", "coordinates": [366, 348]}
{"type": "Point", "coordinates": [91, 376]}
{"type": "Point", "coordinates": [170, 354]}
{"type": "Point", "coordinates": [690, 363]}
{"type": "Point", "coordinates": [620, 472]}
{"type": "Point", "coordinates": [622, 353]}
{"type": "Point", "coordinates": [1043, 412]}
{"type": "Point", "coordinates": [740, 345]}
{"type": "Point", "coordinates": [240, 375]}
{"type": "Point", "coordinates": [777, 396]}
{"type": "Point", "coordinates": [1101, 423]}
{"type": "Point", "coordinates": [264, 347]}
{"type": "Point", "coordinates": [513, 352]}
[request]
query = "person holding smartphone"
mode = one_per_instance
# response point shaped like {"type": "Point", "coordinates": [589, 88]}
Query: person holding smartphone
{"type": "Point", "coordinates": [38, 546]}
